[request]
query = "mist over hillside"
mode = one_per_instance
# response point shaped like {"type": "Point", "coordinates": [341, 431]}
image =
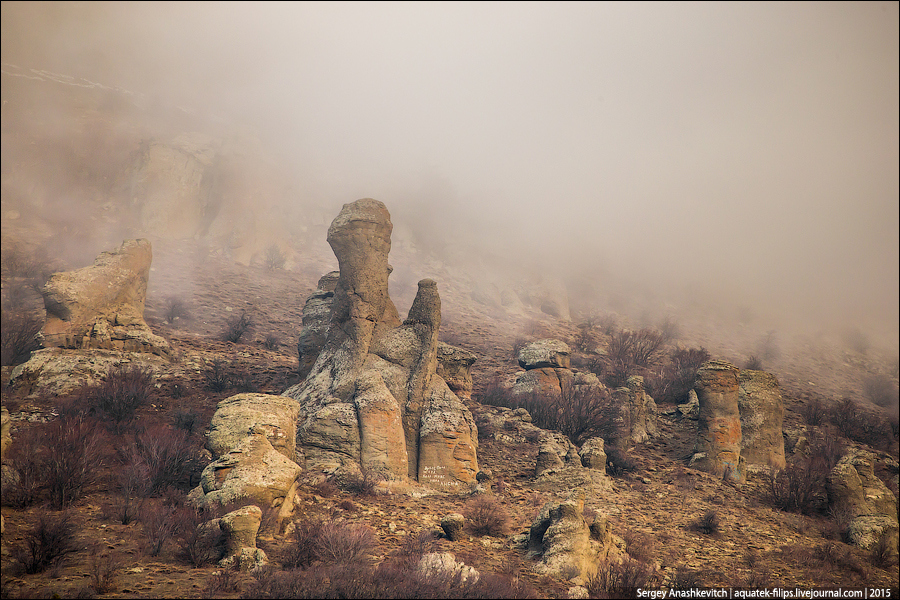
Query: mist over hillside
{"type": "Point", "coordinates": [742, 157]}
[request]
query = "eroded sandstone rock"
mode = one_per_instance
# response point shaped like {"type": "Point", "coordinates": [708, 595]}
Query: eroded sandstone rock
{"type": "Point", "coordinates": [545, 353]}
{"type": "Point", "coordinates": [373, 397]}
{"type": "Point", "coordinates": [718, 446]}
{"type": "Point", "coordinates": [236, 417]}
{"type": "Point", "coordinates": [762, 413]}
{"type": "Point", "coordinates": [102, 305]}
{"type": "Point", "coordinates": [854, 487]}
{"type": "Point", "coordinates": [316, 316]}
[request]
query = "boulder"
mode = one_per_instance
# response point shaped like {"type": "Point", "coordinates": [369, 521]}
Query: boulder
{"type": "Point", "coordinates": [316, 316]}
{"type": "Point", "coordinates": [854, 487]}
{"type": "Point", "coordinates": [568, 547]}
{"type": "Point", "coordinates": [237, 416]}
{"type": "Point", "coordinates": [443, 566]}
{"type": "Point", "coordinates": [718, 446]}
{"type": "Point", "coordinates": [642, 411]}
{"type": "Point", "coordinates": [545, 353]}
{"type": "Point", "coordinates": [452, 525]}
{"type": "Point", "coordinates": [373, 398]}
{"type": "Point", "coordinates": [102, 305]}
{"type": "Point", "coordinates": [691, 408]}
{"type": "Point", "coordinates": [240, 528]}
{"type": "Point", "coordinates": [762, 412]}
{"type": "Point", "coordinates": [5, 436]}
{"type": "Point", "coordinates": [593, 455]}
{"type": "Point", "coordinates": [252, 472]}
{"type": "Point", "coordinates": [454, 366]}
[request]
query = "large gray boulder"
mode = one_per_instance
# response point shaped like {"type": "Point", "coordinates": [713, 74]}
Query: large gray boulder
{"type": "Point", "coordinates": [236, 417]}
{"type": "Point", "coordinates": [316, 316]}
{"type": "Point", "coordinates": [373, 398]}
{"type": "Point", "coordinates": [545, 353]}
{"type": "Point", "coordinates": [872, 507]}
{"type": "Point", "coordinates": [762, 413]}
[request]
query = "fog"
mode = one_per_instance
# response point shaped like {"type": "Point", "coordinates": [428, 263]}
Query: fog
{"type": "Point", "coordinates": [743, 148]}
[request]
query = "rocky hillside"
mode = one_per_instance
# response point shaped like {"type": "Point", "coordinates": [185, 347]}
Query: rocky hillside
{"type": "Point", "coordinates": [174, 468]}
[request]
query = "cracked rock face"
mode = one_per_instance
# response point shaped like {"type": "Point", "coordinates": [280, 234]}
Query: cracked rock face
{"type": "Point", "coordinates": [718, 446]}
{"type": "Point", "coordinates": [762, 413]}
{"type": "Point", "coordinates": [373, 398]}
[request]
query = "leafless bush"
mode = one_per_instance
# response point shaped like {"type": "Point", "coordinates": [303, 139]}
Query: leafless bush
{"type": "Point", "coordinates": [236, 326]}
{"type": "Point", "coordinates": [271, 342]}
{"type": "Point", "coordinates": [800, 486]}
{"type": "Point", "coordinates": [217, 376]}
{"type": "Point", "coordinates": [415, 546]}
{"type": "Point", "coordinates": [861, 425]}
{"type": "Point", "coordinates": [325, 488]}
{"type": "Point", "coordinates": [882, 554]}
{"type": "Point", "coordinates": [242, 381]}
{"type": "Point", "coordinates": [274, 258]}
{"type": "Point", "coordinates": [685, 579]}
{"type": "Point", "coordinates": [670, 329]}
{"type": "Point", "coordinates": [18, 335]}
{"type": "Point", "coordinates": [200, 541]}
{"type": "Point", "coordinates": [70, 460]}
{"type": "Point", "coordinates": [122, 392]}
{"type": "Point", "coordinates": [167, 457]}
{"type": "Point", "coordinates": [674, 380]}
{"type": "Point", "coordinates": [47, 543]}
{"type": "Point", "coordinates": [345, 543]}
{"type": "Point", "coordinates": [299, 551]}
{"type": "Point", "coordinates": [224, 581]}
{"type": "Point", "coordinates": [157, 520]}
{"type": "Point", "coordinates": [754, 363]}
{"type": "Point", "coordinates": [608, 323]}
{"type": "Point", "coordinates": [618, 462]}
{"type": "Point", "coordinates": [185, 419]}
{"type": "Point", "coordinates": [881, 390]}
{"type": "Point", "coordinates": [174, 309]}
{"type": "Point", "coordinates": [104, 571]}
{"type": "Point", "coordinates": [23, 475]}
{"type": "Point", "coordinates": [363, 483]}
{"type": "Point", "coordinates": [814, 412]}
{"type": "Point", "coordinates": [621, 579]}
{"type": "Point", "coordinates": [639, 546]}
{"type": "Point", "coordinates": [486, 516]}
{"type": "Point", "coordinates": [627, 352]}
{"type": "Point", "coordinates": [708, 523]}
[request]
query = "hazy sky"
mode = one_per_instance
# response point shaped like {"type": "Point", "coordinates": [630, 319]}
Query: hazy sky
{"type": "Point", "coordinates": [748, 145]}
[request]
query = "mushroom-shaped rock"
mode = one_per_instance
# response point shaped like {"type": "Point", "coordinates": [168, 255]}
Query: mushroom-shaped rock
{"type": "Point", "coordinates": [545, 353]}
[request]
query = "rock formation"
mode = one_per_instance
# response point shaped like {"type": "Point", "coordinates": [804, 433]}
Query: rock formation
{"type": "Point", "coordinates": [5, 437]}
{"type": "Point", "coordinates": [373, 398]}
{"type": "Point", "coordinates": [454, 366]}
{"type": "Point", "coordinates": [762, 412]}
{"type": "Point", "coordinates": [237, 416]}
{"type": "Point", "coordinates": [102, 305]}
{"type": "Point", "coordinates": [240, 528]}
{"type": "Point", "coordinates": [544, 353]}
{"type": "Point", "coordinates": [718, 446]}
{"type": "Point", "coordinates": [568, 546]}
{"type": "Point", "coordinates": [872, 507]}
{"type": "Point", "coordinates": [316, 315]}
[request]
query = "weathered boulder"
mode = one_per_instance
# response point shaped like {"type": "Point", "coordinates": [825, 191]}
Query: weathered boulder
{"type": "Point", "coordinates": [102, 305]}
{"type": "Point", "coordinates": [373, 398]}
{"type": "Point", "coordinates": [691, 408]}
{"type": "Point", "coordinates": [5, 436]}
{"type": "Point", "coordinates": [454, 366]}
{"type": "Point", "coordinates": [545, 353]}
{"type": "Point", "coordinates": [252, 472]}
{"type": "Point", "coordinates": [593, 455]}
{"type": "Point", "coordinates": [237, 416]}
{"type": "Point", "coordinates": [60, 371]}
{"type": "Point", "coordinates": [762, 412]}
{"type": "Point", "coordinates": [316, 316]}
{"type": "Point", "coordinates": [567, 546]}
{"type": "Point", "coordinates": [641, 409]}
{"type": "Point", "coordinates": [452, 525]}
{"type": "Point", "coordinates": [443, 566]}
{"type": "Point", "coordinates": [854, 487]}
{"type": "Point", "coordinates": [240, 528]}
{"type": "Point", "coordinates": [718, 446]}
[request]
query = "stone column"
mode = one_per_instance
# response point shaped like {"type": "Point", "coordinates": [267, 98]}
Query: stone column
{"type": "Point", "coordinates": [718, 446]}
{"type": "Point", "coordinates": [762, 413]}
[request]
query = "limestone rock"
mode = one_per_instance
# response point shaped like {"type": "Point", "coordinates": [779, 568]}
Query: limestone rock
{"type": "Point", "coordinates": [454, 366]}
{"type": "Point", "coordinates": [373, 398]}
{"type": "Point", "coordinates": [102, 305]}
{"type": "Point", "coordinates": [5, 436]}
{"type": "Point", "coordinates": [642, 411]}
{"type": "Point", "coordinates": [593, 455]}
{"type": "Point", "coordinates": [718, 446]}
{"type": "Point", "coordinates": [452, 525]}
{"type": "Point", "coordinates": [252, 472]}
{"type": "Point", "coordinates": [762, 412]}
{"type": "Point", "coordinates": [545, 353]}
{"type": "Point", "coordinates": [853, 485]}
{"type": "Point", "coordinates": [567, 545]}
{"type": "Point", "coordinates": [240, 528]}
{"type": "Point", "coordinates": [316, 316]}
{"type": "Point", "coordinates": [237, 416]}
{"type": "Point", "coordinates": [443, 565]}
{"type": "Point", "coordinates": [691, 408]}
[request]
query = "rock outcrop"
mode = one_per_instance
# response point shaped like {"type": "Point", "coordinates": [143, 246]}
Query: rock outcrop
{"type": "Point", "coordinates": [718, 446]}
{"type": "Point", "coordinates": [316, 316]}
{"type": "Point", "coordinates": [373, 398]}
{"type": "Point", "coordinates": [102, 305]}
{"type": "Point", "coordinates": [240, 528]}
{"type": "Point", "coordinates": [762, 413]}
{"type": "Point", "coordinates": [872, 507]}
{"type": "Point", "coordinates": [5, 436]}
{"type": "Point", "coordinates": [236, 417]}
{"type": "Point", "coordinates": [454, 365]}
{"type": "Point", "coordinates": [637, 413]}
{"type": "Point", "coordinates": [545, 353]}
{"type": "Point", "coordinates": [567, 545]}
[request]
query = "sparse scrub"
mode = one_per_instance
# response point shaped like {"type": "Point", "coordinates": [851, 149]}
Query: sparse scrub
{"type": "Point", "coordinates": [121, 393]}
{"type": "Point", "coordinates": [814, 412]}
{"type": "Point", "coordinates": [104, 571]}
{"type": "Point", "coordinates": [754, 363]}
{"type": "Point", "coordinates": [325, 488]}
{"type": "Point", "coordinates": [224, 581]}
{"type": "Point", "coordinates": [618, 462]}
{"type": "Point", "coordinates": [363, 483]}
{"type": "Point", "coordinates": [486, 516]}
{"type": "Point", "coordinates": [46, 544]}
{"type": "Point", "coordinates": [860, 425]}
{"type": "Point", "coordinates": [800, 486]}
{"type": "Point", "coordinates": [174, 309]}
{"type": "Point", "coordinates": [639, 546]}
{"type": "Point", "coordinates": [158, 526]}
{"type": "Point", "coordinates": [186, 419]}
{"type": "Point", "coordinates": [672, 383]}
{"type": "Point", "coordinates": [345, 543]}
{"type": "Point", "coordinates": [70, 460]}
{"type": "Point", "coordinates": [686, 579]}
{"type": "Point", "coordinates": [216, 376]}
{"type": "Point", "coordinates": [166, 457]}
{"type": "Point", "coordinates": [242, 381]}
{"type": "Point", "coordinates": [882, 554]}
{"type": "Point", "coordinates": [709, 523]}
{"type": "Point", "coordinates": [299, 551]}
{"type": "Point", "coordinates": [621, 579]}
{"type": "Point", "coordinates": [18, 335]}
{"type": "Point", "coordinates": [271, 342]}
{"type": "Point", "coordinates": [627, 352]}
{"type": "Point", "coordinates": [200, 542]}
{"type": "Point", "coordinates": [274, 258]}
{"type": "Point", "coordinates": [236, 326]}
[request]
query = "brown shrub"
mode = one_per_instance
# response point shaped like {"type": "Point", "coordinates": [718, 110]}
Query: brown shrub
{"type": "Point", "coordinates": [236, 326]}
{"type": "Point", "coordinates": [46, 544]}
{"type": "Point", "coordinates": [121, 393]}
{"type": "Point", "coordinates": [345, 543]}
{"type": "Point", "coordinates": [166, 457]}
{"type": "Point", "coordinates": [486, 516]}
{"type": "Point", "coordinates": [709, 523]}
{"type": "Point", "coordinates": [18, 335]}
{"type": "Point", "coordinates": [299, 551]}
{"type": "Point", "coordinates": [104, 571]}
{"type": "Point", "coordinates": [621, 579]}
{"type": "Point", "coordinates": [671, 383]}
